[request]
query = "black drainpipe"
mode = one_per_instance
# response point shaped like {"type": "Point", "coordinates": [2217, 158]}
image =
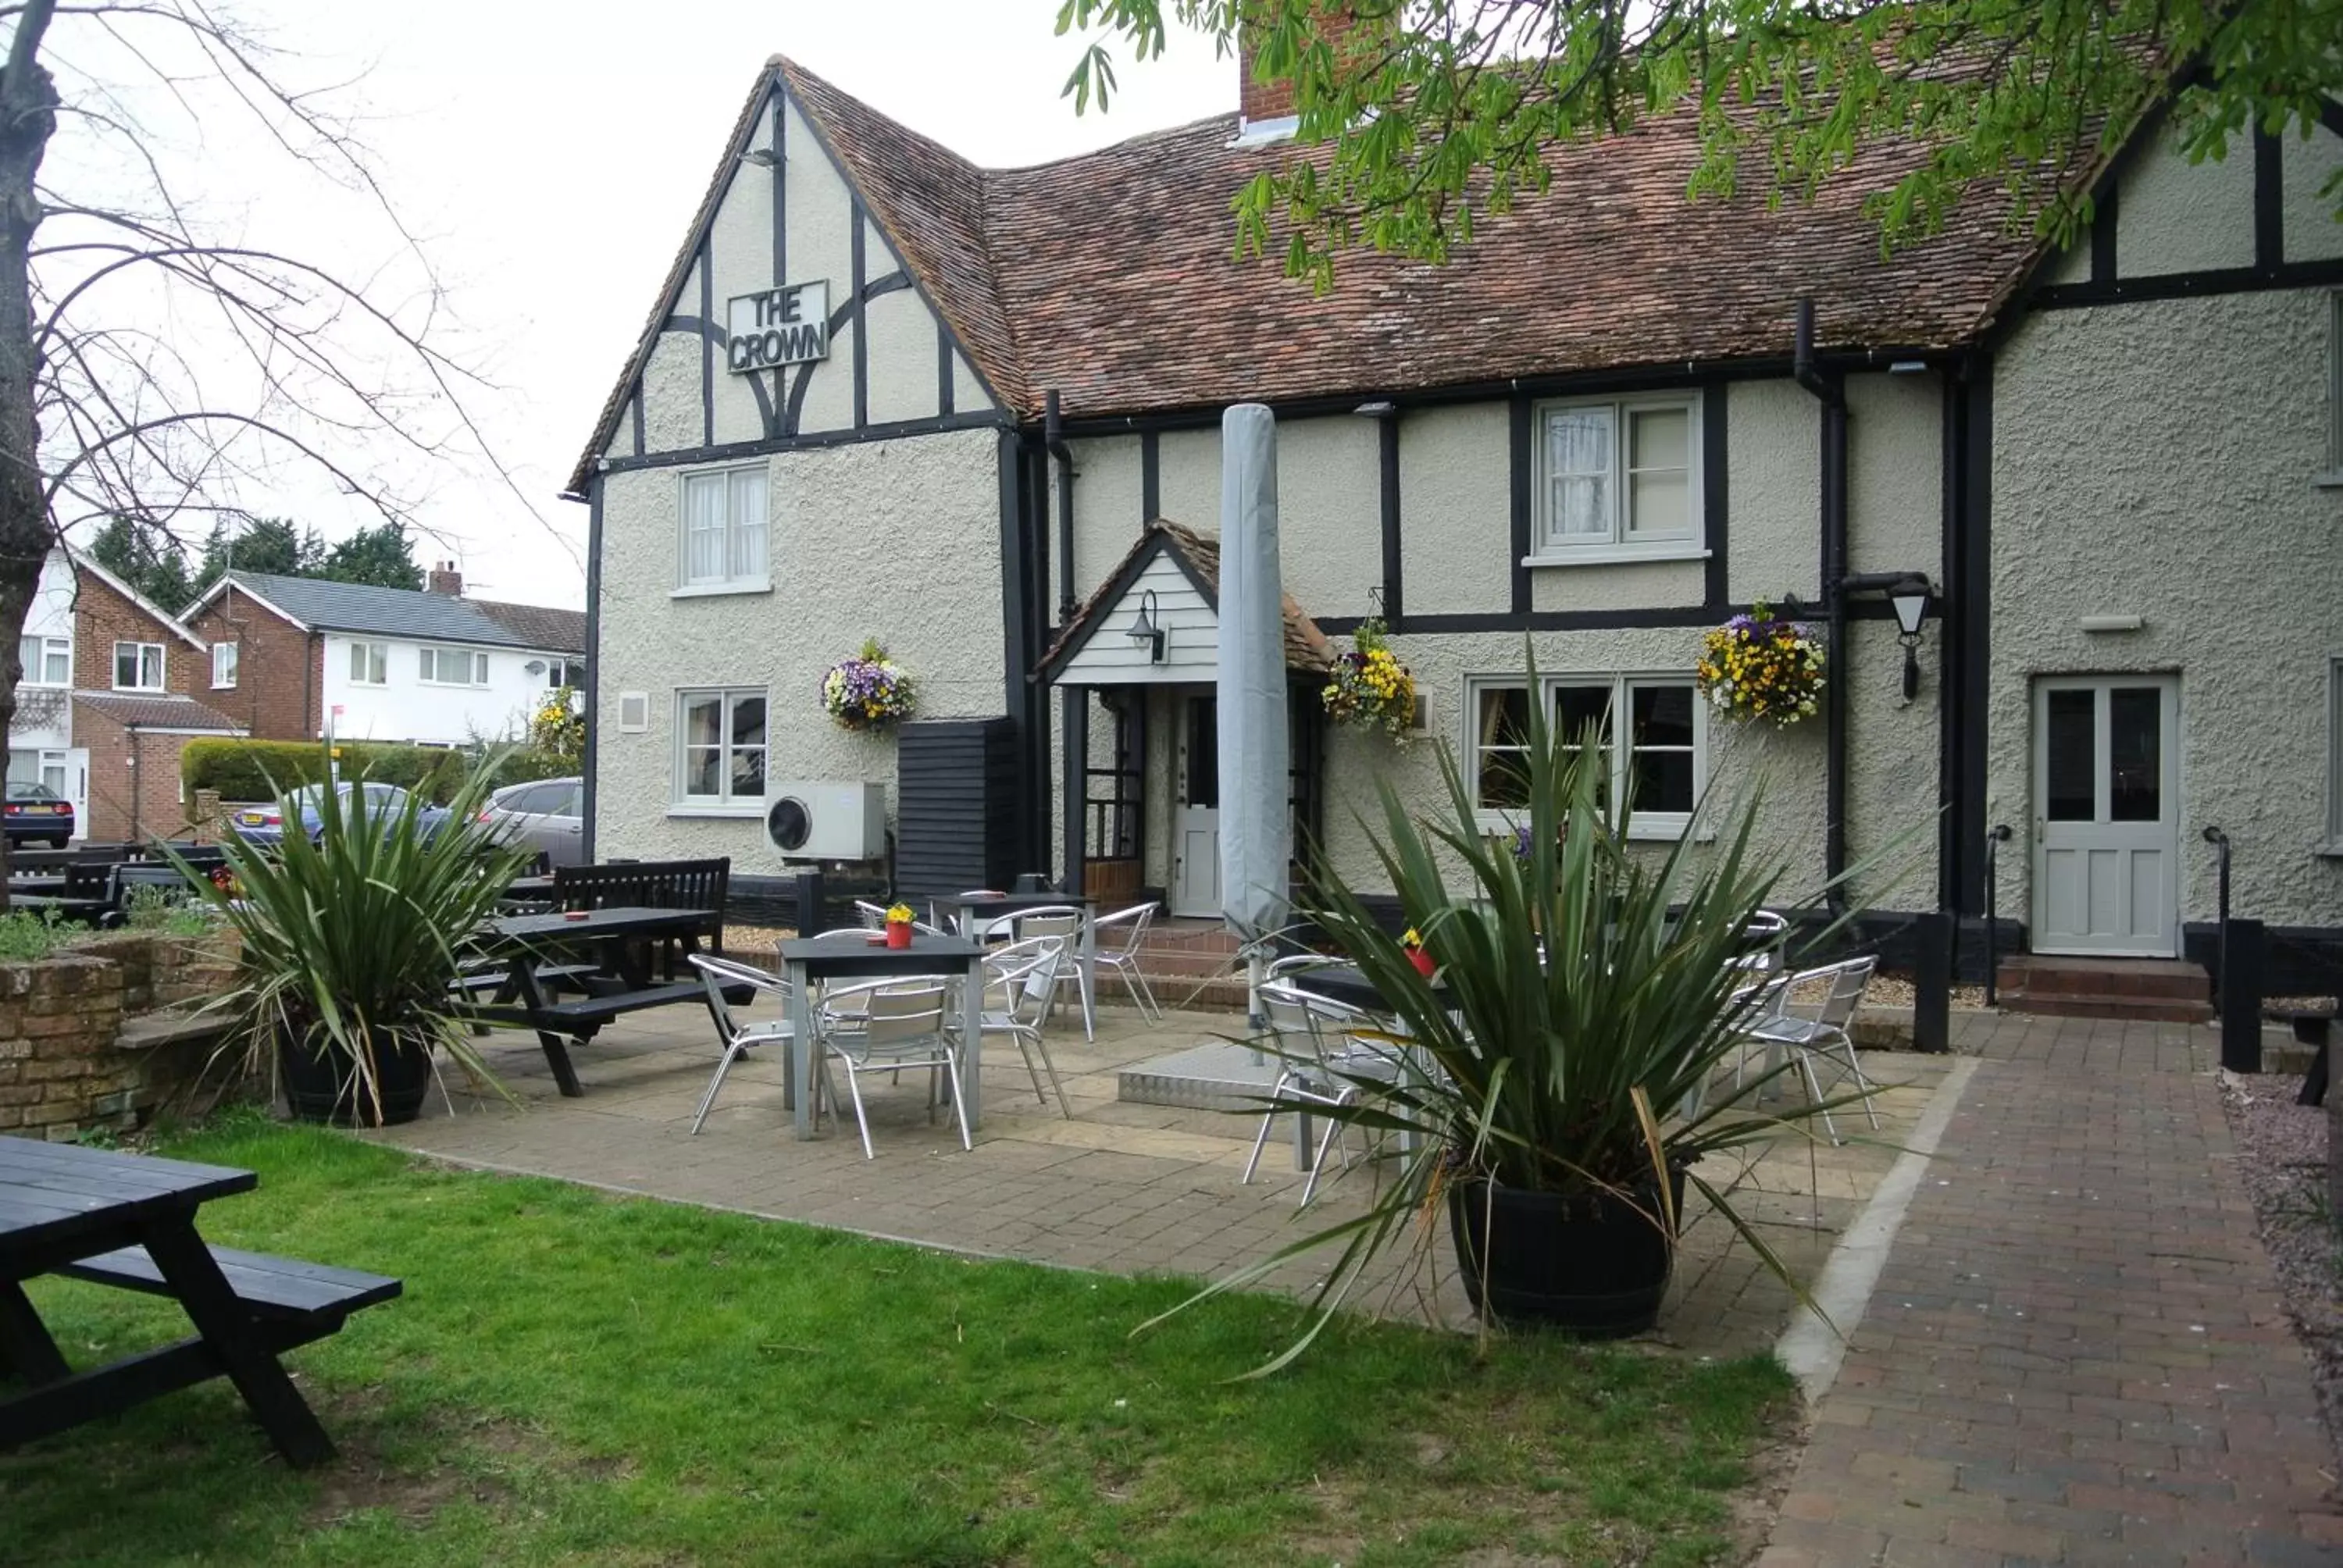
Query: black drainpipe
{"type": "Point", "coordinates": [1054, 435]}
{"type": "Point", "coordinates": [1831, 391]}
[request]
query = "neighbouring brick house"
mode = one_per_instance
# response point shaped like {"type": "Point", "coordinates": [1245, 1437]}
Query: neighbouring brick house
{"type": "Point", "coordinates": [136, 669]}
{"type": "Point", "coordinates": [429, 666]}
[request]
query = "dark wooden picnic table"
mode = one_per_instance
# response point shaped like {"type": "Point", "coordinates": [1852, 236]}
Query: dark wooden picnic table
{"type": "Point", "coordinates": [129, 1220]}
{"type": "Point", "coordinates": [619, 981]}
{"type": "Point", "coordinates": [530, 890]}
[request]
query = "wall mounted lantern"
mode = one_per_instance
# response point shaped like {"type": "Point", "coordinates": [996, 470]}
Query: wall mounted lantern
{"type": "Point", "coordinates": [1148, 629]}
{"type": "Point", "coordinates": [1910, 599]}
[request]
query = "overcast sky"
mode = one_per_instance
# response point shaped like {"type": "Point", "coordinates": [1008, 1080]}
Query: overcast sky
{"type": "Point", "coordinates": [550, 157]}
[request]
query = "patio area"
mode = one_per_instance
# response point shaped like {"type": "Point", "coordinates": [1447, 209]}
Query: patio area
{"type": "Point", "coordinates": [1125, 1187]}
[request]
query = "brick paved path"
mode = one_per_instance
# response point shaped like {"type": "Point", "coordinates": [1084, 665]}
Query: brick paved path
{"type": "Point", "coordinates": [2075, 1352]}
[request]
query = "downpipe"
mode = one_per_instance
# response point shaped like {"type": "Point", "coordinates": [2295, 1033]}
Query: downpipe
{"type": "Point", "coordinates": [1054, 437]}
{"type": "Point", "coordinates": [1995, 839]}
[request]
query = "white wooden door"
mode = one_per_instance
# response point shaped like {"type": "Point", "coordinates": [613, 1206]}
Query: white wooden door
{"type": "Point", "coordinates": [2106, 815]}
{"type": "Point", "coordinates": [1196, 819]}
{"type": "Point", "coordinates": [74, 767]}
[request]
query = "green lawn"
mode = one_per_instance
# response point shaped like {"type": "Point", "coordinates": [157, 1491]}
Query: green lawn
{"type": "Point", "coordinates": [573, 1378]}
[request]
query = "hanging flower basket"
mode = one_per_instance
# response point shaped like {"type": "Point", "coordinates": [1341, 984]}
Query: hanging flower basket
{"type": "Point", "coordinates": [1758, 665]}
{"type": "Point", "coordinates": [1370, 688]}
{"type": "Point", "coordinates": [868, 691]}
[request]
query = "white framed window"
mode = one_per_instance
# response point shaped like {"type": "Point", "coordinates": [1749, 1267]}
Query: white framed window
{"type": "Point", "coordinates": [48, 660]}
{"type": "Point", "coordinates": [1660, 770]}
{"type": "Point", "coordinates": [454, 667]}
{"type": "Point", "coordinates": [369, 664]}
{"type": "Point", "coordinates": [2334, 845]}
{"type": "Point", "coordinates": [223, 661]}
{"type": "Point", "coordinates": [1617, 480]}
{"type": "Point", "coordinates": [719, 750]}
{"type": "Point", "coordinates": [723, 547]}
{"type": "Point", "coordinates": [138, 666]}
{"type": "Point", "coordinates": [568, 672]}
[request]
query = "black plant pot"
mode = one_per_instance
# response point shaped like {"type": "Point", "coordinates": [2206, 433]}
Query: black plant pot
{"type": "Point", "coordinates": [323, 1087]}
{"type": "Point", "coordinates": [1594, 1264]}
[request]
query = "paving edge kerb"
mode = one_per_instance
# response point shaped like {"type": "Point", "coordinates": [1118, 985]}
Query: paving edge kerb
{"type": "Point", "coordinates": [1815, 1343]}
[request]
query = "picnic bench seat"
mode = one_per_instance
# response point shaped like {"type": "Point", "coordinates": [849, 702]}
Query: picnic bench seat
{"type": "Point", "coordinates": [310, 1296]}
{"type": "Point", "coordinates": [552, 977]}
{"type": "Point", "coordinates": [587, 1014]}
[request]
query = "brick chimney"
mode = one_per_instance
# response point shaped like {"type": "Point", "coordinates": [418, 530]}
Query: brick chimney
{"type": "Point", "coordinates": [1265, 110]}
{"type": "Point", "coordinates": [445, 579]}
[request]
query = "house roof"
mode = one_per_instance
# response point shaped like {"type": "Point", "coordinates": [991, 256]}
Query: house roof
{"type": "Point", "coordinates": [409, 613]}
{"type": "Point", "coordinates": [1198, 555]}
{"type": "Point", "coordinates": [538, 625]}
{"type": "Point", "coordinates": [1110, 278]}
{"type": "Point", "coordinates": [157, 710]}
{"type": "Point", "coordinates": [82, 562]}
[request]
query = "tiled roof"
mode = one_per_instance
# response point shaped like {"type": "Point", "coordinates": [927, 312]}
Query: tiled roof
{"type": "Point", "coordinates": [408, 613]}
{"type": "Point", "coordinates": [1306, 648]}
{"type": "Point", "coordinates": [157, 710]}
{"type": "Point", "coordinates": [1110, 278]}
{"type": "Point", "coordinates": [538, 625]}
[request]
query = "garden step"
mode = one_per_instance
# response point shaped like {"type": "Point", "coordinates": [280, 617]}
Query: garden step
{"type": "Point", "coordinates": [2108, 1004]}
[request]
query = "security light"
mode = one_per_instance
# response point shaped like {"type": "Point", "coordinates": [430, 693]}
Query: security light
{"type": "Point", "coordinates": [1909, 601]}
{"type": "Point", "coordinates": [1147, 628]}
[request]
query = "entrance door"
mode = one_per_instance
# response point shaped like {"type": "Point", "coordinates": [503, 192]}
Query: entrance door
{"type": "Point", "coordinates": [1196, 819]}
{"type": "Point", "coordinates": [2106, 815]}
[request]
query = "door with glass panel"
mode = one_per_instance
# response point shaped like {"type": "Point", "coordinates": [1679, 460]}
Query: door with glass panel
{"type": "Point", "coordinates": [1196, 819]}
{"type": "Point", "coordinates": [2106, 815]}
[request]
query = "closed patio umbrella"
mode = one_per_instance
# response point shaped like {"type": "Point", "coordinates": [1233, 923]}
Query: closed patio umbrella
{"type": "Point", "coordinates": [1256, 823]}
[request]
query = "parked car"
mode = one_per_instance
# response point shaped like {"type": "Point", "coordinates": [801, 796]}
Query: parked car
{"type": "Point", "coordinates": [266, 824]}
{"type": "Point", "coordinates": [36, 814]}
{"type": "Point", "coordinates": [547, 814]}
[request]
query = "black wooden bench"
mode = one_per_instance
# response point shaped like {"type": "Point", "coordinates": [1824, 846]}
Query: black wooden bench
{"type": "Point", "coordinates": [582, 1017]}
{"type": "Point", "coordinates": [296, 1301]}
{"type": "Point", "coordinates": [649, 885]}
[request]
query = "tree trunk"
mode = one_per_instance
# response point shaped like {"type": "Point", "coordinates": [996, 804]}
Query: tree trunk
{"type": "Point", "coordinates": [28, 105]}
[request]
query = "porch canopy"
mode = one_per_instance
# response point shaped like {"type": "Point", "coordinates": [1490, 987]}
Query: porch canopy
{"type": "Point", "coordinates": [1182, 567]}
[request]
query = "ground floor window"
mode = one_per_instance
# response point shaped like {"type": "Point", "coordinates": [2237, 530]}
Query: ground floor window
{"type": "Point", "coordinates": [1658, 771]}
{"type": "Point", "coordinates": [44, 768]}
{"type": "Point", "coordinates": [719, 747]}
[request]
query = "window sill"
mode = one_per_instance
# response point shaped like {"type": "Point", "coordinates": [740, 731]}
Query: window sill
{"type": "Point", "coordinates": [2330, 480]}
{"type": "Point", "coordinates": [718, 590]}
{"type": "Point", "coordinates": [217, 686]}
{"type": "Point", "coordinates": [2329, 851]}
{"type": "Point", "coordinates": [740, 813]}
{"type": "Point", "coordinates": [1617, 554]}
{"type": "Point", "coordinates": [1652, 829]}
{"type": "Point", "coordinates": [141, 690]}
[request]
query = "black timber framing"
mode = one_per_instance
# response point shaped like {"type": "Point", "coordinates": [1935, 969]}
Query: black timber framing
{"type": "Point", "coordinates": [777, 107]}
{"type": "Point", "coordinates": [2270, 201]}
{"type": "Point", "coordinates": [731, 450]}
{"type": "Point", "coordinates": [1017, 629]}
{"type": "Point", "coordinates": [590, 762]}
{"type": "Point", "coordinates": [2104, 210]}
{"type": "Point", "coordinates": [708, 332]}
{"type": "Point", "coordinates": [1716, 494]}
{"type": "Point", "coordinates": [1151, 477]}
{"type": "Point", "coordinates": [1518, 417]}
{"type": "Point", "coordinates": [861, 337]}
{"type": "Point", "coordinates": [1075, 719]}
{"type": "Point", "coordinates": [2187, 284]}
{"type": "Point", "coordinates": [1971, 609]}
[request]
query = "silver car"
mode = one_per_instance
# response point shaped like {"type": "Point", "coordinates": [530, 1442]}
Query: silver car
{"type": "Point", "coordinates": [546, 814]}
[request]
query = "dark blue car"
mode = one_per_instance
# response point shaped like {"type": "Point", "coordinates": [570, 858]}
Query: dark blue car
{"type": "Point", "coordinates": [384, 802]}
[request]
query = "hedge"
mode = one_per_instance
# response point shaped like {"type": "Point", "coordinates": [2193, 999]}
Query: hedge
{"type": "Point", "coordinates": [244, 771]}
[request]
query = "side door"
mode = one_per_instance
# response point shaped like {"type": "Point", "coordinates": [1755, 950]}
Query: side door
{"type": "Point", "coordinates": [1196, 821]}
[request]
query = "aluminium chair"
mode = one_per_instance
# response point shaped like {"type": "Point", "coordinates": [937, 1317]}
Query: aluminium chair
{"type": "Point", "coordinates": [902, 1025]}
{"type": "Point", "coordinates": [738, 1039]}
{"type": "Point", "coordinates": [1322, 1062]}
{"type": "Point", "coordinates": [1131, 926]}
{"type": "Point", "coordinates": [1026, 974]}
{"type": "Point", "coordinates": [1065, 920]}
{"type": "Point", "coordinates": [1825, 1035]}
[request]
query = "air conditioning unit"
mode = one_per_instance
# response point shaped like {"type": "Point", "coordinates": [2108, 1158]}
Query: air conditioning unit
{"type": "Point", "coordinates": [827, 821]}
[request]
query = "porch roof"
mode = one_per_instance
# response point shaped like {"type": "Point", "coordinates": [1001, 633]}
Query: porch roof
{"type": "Point", "coordinates": [1197, 556]}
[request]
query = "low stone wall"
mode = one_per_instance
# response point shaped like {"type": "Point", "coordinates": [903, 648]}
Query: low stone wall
{"type": "Point", "coordinates": [93, 1038]}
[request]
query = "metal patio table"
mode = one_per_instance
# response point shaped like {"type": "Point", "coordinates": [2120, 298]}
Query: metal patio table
{"type": "Point", "coordinates": [974, 913]}
{"type": "Point", "coordinates": [807, 960]}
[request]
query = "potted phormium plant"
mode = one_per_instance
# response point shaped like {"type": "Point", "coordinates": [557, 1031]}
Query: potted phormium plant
{"type": "Point", "coordinates": [1588, 992]}
{"type": "Point", "coordinates": [351, 941]}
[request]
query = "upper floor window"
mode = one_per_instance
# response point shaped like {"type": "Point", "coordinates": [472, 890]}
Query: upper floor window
{"type": "Point", "coordinates": [1617, 480]}
{"type": "Point", "coordinates": [1659, 771]}
{"type": "Point", "coordinates": [723, 544]}
{"type": "Point", "coordinates": [48, 660]}
{"type": "Point", "coordinates": [138, 666]}
{"type": "Point", "coordinates": [454, 667]}
{"type": "Point", "coordinates": [369, 664]}
{"type": "Point", "coordinates": [224, 658]}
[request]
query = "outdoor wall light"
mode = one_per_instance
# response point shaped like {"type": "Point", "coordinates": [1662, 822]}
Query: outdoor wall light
{"type": "Point", "coordinates": [1147, 628]}
{"type": "Point", "coordinates": [1909, 599]}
